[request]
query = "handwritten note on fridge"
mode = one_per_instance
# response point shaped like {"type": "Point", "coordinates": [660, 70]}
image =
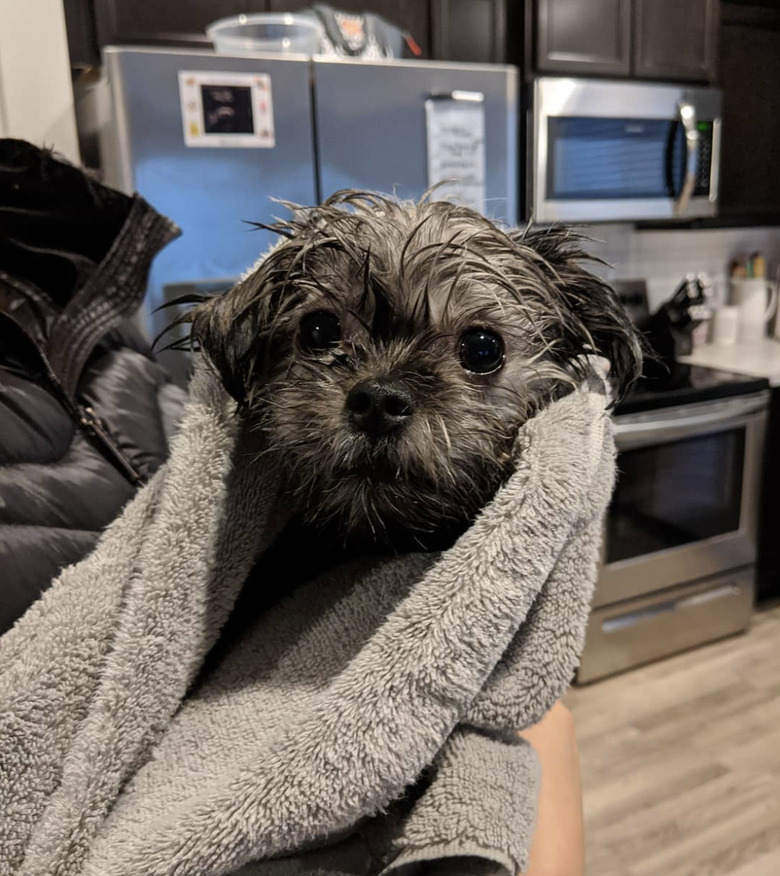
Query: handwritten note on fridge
{"type": "Point", "coordinates": [456, 147]}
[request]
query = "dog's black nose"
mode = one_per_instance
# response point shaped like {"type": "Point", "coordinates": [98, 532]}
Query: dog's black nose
{"type": "Point", "coordinates": [378, 407]}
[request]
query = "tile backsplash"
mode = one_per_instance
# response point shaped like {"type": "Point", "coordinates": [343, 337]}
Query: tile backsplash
{"type": "Point", "coordinates": [664, 257]}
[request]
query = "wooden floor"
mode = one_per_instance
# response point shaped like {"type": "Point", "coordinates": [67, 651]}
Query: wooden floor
{"type": "Point", "coordinates": [681, 762]}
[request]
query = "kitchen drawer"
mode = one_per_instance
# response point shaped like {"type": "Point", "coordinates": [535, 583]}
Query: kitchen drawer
{"type": "Point", "coordinates": [638, 631]}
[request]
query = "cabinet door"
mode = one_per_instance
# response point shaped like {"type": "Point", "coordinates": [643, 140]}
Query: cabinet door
{"type": "Point", "coordinates": [583, 36]}
{"type": "Point", "coordinates": [675, 39]}
{"type": "Point", "coordinates": [411, 15]}
{"type": "Point", "coordinates": [160, 22]}
{"type": "Point", "coordinates": [82, 37]}
{"type": "Point", "coordinates": [468, 30]}
{"type": "Point", "coordinates": [750, 71]}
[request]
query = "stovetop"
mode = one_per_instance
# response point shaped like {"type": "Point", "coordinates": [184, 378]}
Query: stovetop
{"type": "Point", "coordinates": [683, 384]}
{"type": "Point", "coordinates": [666, 381]}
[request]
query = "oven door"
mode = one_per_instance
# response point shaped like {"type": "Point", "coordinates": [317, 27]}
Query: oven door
{"type": "Point", "coordinates": [686, 500]}
{"type": "Point", "coordinates": [606, 151]}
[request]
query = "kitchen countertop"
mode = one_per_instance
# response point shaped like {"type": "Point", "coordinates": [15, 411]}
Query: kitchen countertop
{"type": "Point", "coordinates": [761, 359]}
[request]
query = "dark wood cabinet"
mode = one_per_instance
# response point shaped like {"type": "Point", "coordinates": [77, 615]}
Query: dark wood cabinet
{"type": "Point", "coordinates": [675, 40]}
{"type": "Point", "coordinates": [82, 33]}
{"type": "Point", "coordinates": [158, 22]}
{"type": "Point", "coordinates": [591, 37]}
{"type": "Point", "coordinates": [469, 30]}
{"type": "Point", "coordinates": [750, 72]}
{"type": "Point", "coordinates": [174, 23]}
{"type": "Point", "coordinates": [656, 39]}
{"type": "Point", "coordinates": [649, 39]}
{"type": "Point", "coordinates": [409, 15]}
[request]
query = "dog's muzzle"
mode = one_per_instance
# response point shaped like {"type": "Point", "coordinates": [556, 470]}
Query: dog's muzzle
{"type": "Point", "coordinates": [378, 407]}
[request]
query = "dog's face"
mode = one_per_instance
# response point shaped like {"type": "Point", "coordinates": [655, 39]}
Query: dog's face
{"type": "Point", "coordinates": [391, 351]}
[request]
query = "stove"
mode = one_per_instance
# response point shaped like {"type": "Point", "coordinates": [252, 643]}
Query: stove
{"type": "Point", "coordinates": [666, 381]}
{"type": "Point", "coordinates": [679, 551]}
{"type": "Point", "coordinates": [686, 384]}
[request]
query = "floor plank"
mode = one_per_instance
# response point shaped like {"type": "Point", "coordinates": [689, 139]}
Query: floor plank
{"type": "Point", "coordinates": [681, 762]}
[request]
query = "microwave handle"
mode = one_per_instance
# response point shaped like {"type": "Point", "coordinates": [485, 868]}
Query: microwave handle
{"type": "Point", "coordinates": [687, 114]}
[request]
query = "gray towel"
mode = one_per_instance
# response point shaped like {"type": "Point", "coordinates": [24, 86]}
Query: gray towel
{"type": "Point", "coordinates": [364, 723]}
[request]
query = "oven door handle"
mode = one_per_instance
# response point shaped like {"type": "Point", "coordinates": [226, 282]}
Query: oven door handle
{"type": "Point", "coordinates": [636, 618]}
{"type": "Point", "coordinates": [729, 413]}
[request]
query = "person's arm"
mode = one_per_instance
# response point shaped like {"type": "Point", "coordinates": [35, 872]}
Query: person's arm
{"type": "Point", "coordinates": [558, 843]}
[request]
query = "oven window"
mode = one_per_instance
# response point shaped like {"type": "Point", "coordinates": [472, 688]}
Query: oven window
{"type": "Point", "coordinates": [674, 494]}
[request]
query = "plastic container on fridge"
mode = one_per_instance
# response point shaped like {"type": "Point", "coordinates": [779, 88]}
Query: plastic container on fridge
{"type": "Point", "coordinates": [264, 33]}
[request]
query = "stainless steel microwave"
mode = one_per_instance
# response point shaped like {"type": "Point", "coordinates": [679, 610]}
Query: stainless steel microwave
{"type": "Point", "coordinates": [614, 151]}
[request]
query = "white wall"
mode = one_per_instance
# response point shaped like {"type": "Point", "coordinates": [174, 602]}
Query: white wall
{"type": "Point", "coordinates": [664, 257]}
{"type": "Point", "coordinates": [36, 98]}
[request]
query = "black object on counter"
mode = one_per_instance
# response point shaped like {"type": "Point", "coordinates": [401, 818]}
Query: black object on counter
{"type": "Point", "coordinates": [669, 330]}
{"type": "Point", "coordinates": [665, 380]}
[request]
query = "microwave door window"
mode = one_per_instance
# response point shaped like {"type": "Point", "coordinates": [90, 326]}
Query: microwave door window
{"type": "Point", "coordinates": [669, 495]}
{"type": "Point", "coordinates": [607, 159]}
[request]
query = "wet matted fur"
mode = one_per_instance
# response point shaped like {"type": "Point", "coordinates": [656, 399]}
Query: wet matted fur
{"type": "Point", "coordinates": [405, 281]}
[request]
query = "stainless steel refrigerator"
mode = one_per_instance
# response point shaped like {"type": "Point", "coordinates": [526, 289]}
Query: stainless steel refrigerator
{"type": "Point", "coordinates": [210, 140]}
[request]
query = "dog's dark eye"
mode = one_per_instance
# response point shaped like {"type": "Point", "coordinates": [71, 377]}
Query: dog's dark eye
{"type": "Point", "coordinates": [481, 351]}
{"type": "Point", "coordinates": [320, 330]}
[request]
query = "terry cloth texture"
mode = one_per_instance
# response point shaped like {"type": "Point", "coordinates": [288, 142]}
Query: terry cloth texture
{"type": "Point", "coordinates": [362, 724]}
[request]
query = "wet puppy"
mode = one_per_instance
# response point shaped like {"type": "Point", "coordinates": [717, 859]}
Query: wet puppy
{"type": "Point", "coordinates": [392, 350]}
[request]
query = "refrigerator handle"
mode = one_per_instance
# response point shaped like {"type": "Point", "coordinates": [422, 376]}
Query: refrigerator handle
{"type": "Point", "coordinates": [468, 96]}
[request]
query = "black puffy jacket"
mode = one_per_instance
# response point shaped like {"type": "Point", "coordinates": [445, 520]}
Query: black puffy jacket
{"type": "Point", "coordinates": [85, 411]}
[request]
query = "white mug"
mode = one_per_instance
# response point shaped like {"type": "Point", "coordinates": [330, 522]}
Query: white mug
{"type": "Point", "coordinates": [725, 325]}
{"type": "Point", "coordinates": [756, 299]}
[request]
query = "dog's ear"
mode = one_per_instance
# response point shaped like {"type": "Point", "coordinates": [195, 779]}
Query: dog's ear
{"type": "Point", "coordinates": [594, 320]}
{"type": "Point", "coordinates": [229, 329]}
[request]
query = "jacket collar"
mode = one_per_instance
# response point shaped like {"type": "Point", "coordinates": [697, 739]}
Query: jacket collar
{"type": "Point", "coordinates": [112, 294]}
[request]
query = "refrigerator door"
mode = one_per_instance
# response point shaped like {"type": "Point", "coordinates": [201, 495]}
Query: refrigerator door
{"type": "Point", "coordinates": [248, 122]}
{"type": "Point", "coordinates": [377, 122]}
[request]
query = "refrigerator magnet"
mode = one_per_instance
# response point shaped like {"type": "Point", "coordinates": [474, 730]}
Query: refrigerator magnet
{"type": "Point", "coordinates": [226, 110]}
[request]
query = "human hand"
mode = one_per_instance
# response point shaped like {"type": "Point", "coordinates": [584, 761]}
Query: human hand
{"type": "Point", "coordinates": [558, 843]}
